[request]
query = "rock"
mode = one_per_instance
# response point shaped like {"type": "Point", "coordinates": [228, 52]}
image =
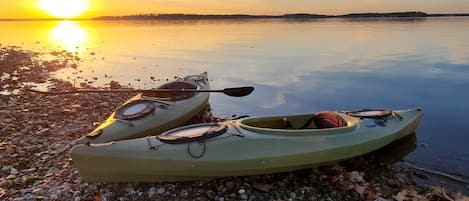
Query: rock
{"type": "Point", "coordinates": [391, 183]}
{"type": "Point", "coordinates": [54, 196]}
{"type": "Point", "coordinates": [19, 199]}
{"type": "Point", "coordinates": [160, 191]}
{"type": "Point", "coordinates": [4, 182]}
{"type": "Point", "coordinates": [40, 197]}
{"type": "Point", "coordinates": [5, 169]}
{"type": "Point", "coordinates": [37, 190]}
{"type": "Point", "coordinates": [12, 176]}
{"type": "Point", "coordinates": [130, 190]}
{"type": "Point", "coordinates": [401, 178]}
{"type": "Point", "coordinates": [243, 197]}
{"type": "Point", "coordinates": [292, 195]}
{"type": "Point", "coordinates": [262, 187]}
{"type": "Point", "coordinates": [380, 199]}
{"type": "Point", "coordinates": [106, 196]}
{"type": "Point", "coordinates": [229, 185]}
{"type": "Point", "coordinates": [43, 131]}
{"type": "Point", "coordinates": [2, 192]}
{"type": "Point", "coordinates": [13, 171]}
{"type": "Point", "coordinates": [152, 192]}
{"type": "Point", "coordinates": [355, 177]}
{"type": "Point", "coordinates": [30, 170]}
{"type": "Point", "coordinates": [241, 191]}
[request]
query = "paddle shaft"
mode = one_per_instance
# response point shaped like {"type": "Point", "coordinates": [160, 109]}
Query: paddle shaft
{"type": "Point", "coordinates": [120, 91]}
{"type": "Point", "coordinates": [239, 91]}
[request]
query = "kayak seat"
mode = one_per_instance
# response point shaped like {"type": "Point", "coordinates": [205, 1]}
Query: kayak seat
{"type": "Point", "coordinates": [325, 119]}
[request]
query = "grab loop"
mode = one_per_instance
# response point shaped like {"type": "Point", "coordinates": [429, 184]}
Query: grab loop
{"type": "Point", "coordinates": [204, 147]}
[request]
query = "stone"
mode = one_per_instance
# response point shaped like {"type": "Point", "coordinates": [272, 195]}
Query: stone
{"type": "Point", "coordinates": [13, 171]}
{"type": "Point", "coordinates": [243, 197]}
{"type": "Point", "coordinates": [241, 191]}
{"type": "Point", "coordinates": [2, 192]}
{"type": "Point", "coordinates": [42, 131]}
{"type": "Point", "coordinates": [36, 190]}
{"type": "Point", "coordinates": [229, 185]}
{"type": "Point", "coordinates": [19, 199]}
{"type": "Point", "coordinates": [380, 199]}
{"type": "Point", "coordinates": [5, 169]}
{"type": "Point", "coordinates": [54, 196]}
{"type": "Point", "coordinates": [160, 191]}
{"type": "Point", "coordinates": [152, 192]}
{"type": "Point", "coordinates": [40, 197]}
{"type": "Point", "coordinates": [12, 176]}
{"type": "Point", "coordinates": [292, 195]}
{"type": "Point", "coordinates": [130, 190]}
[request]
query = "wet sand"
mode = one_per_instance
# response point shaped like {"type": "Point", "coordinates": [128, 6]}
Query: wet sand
{"type": "Point", "coordinates": [37, 133]}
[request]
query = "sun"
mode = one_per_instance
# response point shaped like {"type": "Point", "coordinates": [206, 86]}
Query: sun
{"type": "Point", "coordinates": [64, 8]}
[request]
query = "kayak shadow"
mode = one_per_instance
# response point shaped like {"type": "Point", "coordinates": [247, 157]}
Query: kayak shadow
{"type": "Point", "coordinates": [397, 150]}
{"type": "Point", "coordinates": [381, 160]}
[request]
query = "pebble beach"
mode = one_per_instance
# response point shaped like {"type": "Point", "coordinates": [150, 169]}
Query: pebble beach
{"type": "Point", "coordinates": [37, 133]}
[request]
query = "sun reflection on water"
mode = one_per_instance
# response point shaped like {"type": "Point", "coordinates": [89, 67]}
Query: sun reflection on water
{"type": "Point", "coordinates": [69, 35]}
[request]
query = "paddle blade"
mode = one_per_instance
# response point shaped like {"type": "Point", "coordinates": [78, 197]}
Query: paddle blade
{"type": "Point", "coordinates": [239, 91]}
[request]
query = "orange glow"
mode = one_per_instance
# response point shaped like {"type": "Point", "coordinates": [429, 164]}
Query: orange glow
{"type": "Point", "coordinates": [64, 8]}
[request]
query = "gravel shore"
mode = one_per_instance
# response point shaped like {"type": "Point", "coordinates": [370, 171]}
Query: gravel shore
{"type": "Point", "coordinates": [37, 133]}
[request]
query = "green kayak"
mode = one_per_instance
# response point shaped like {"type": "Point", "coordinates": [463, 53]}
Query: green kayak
{"type": "Point", "coordinates": [248, 146]}
{"type": "Point", "coordinates": [153, 113]}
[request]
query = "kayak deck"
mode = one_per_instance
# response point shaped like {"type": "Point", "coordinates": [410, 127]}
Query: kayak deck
{"type": "Point", "coordinates": [147, 114]}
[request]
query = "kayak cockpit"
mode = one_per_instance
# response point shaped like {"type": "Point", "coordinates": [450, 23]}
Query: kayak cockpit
{"type": "Point", "coordinates": [174, 95]}
{"type": "Point", "coordinates": [313, 123]}
{"type": "Point", "coordinates": [190, 83]}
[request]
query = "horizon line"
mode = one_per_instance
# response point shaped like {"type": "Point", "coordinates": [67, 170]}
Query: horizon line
{"type": "Point", "coordinates": [239, 14]}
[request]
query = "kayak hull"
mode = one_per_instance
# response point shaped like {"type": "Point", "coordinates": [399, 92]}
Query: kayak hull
{"type": "Point", "coordinates": [240, 151]}
{"type": "Point", "coordinates": [167, 114]}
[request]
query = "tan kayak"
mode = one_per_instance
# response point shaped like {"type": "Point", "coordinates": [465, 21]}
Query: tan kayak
{"type": "Point", "coordinates": [248, 146]}
{"type": "Point", "coordinates": [150, 114]}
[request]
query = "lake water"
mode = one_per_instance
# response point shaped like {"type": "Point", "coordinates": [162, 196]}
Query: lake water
{"type": "Point", "coordinates": [296, 67]}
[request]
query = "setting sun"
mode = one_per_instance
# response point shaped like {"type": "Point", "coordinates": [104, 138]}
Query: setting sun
{"type": "Point", "coordinates": [64, 8]}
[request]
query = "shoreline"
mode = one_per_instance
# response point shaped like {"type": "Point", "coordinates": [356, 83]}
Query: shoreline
{"type": "Point", "coordinates": [37, 133]}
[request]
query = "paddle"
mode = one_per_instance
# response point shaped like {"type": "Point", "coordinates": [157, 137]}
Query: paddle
{"type": "Point", "coordinates": [235, 92]}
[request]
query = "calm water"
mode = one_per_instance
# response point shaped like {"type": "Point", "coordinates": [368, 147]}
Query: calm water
{"type": "Point", "coordinates": [296, 66]}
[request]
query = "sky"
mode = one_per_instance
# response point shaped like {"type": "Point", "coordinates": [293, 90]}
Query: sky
{"type": "Point", "coordinates": [18, 9]}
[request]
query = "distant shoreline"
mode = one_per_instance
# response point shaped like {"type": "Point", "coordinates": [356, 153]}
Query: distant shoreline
{"type": "Point", "coordinates": [152, 16]}
{"type": "Point", "coordinates": [285, 16]}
